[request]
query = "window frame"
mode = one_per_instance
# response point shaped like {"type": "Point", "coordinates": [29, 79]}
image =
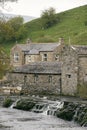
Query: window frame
{"type": "Point", "coordinates": [29, 58]}
{"type": "Point", "coordinates": [44, 57]}
{"type": "Point", "coordinates": [16, 57]}
{"type": "Point", "coordinates": [56, 57]}
{"type": "Point", "coordinates": [50, 78]}
{"type": "Point", "coordinates": [36, 77]}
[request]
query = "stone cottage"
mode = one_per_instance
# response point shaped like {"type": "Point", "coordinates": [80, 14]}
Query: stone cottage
{"type": "Point", "coordinates": [52, 68]}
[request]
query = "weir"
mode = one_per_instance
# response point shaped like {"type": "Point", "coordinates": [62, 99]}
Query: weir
{"type": "Point", "coordinates": [46, 107]}
{"type": "Point", "coordinates": [70, 111]}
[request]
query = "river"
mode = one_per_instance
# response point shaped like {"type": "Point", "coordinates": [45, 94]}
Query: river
{"type": "Point", "coordinates": [12, 119]}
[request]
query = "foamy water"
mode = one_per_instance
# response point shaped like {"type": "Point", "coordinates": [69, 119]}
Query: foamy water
{"type": "Point", "coordinates": [12, 119]}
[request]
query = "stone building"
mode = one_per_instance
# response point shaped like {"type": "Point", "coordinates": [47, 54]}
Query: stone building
{"type": "Point", "coordinates": [34, 52]}
{"type": "Point", "coordinates": [52, 68]}
{"type": "Point", "coordinates": [42, 77]}
{"type": "Point", "coordinates": [82, 64]}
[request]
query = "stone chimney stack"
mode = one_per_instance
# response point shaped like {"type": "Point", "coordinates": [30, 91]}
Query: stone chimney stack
{"type": "Point", "coordinates": [62, 45]}
{"type": "Point", "coordinates": [61, 41]}
{"type": "Point", "coordinates": [28, 41]}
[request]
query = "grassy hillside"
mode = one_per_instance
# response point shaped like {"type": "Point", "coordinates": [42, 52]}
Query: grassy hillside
{"type": "Point", "coordinates": [72, 25]}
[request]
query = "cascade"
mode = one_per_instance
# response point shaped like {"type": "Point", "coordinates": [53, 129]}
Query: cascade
{"type": "Point", "coordinates": [40, 107]}
{"type": "Point", "coordinates": [54, 107]}
{"type": "Point", "coordinates": [14, 103]}
{"type": "Point", "coordinates": [45, 106]}
{"type": "Point", "coordinates": [48, 108]}
{"type": "Point", "coordinates": [76, 114]}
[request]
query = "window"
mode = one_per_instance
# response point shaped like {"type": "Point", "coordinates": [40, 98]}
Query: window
{"type": "Point", "coordinates": [29, 58]}
{"type": "Point", "coordinates": [57, 57]}
{"type": "Point", "coordinates": [50, 79]}
{"type": "Point", "coordinates": [35, 78]}
{"type": "Point", "coordinates": [44, 57]}
{"type": "Point", "coordinates": [25, 79]}
{"type": "Point", "coordinates": [16, 57]}
{"type": "Point", "coordinates": [68, 75]}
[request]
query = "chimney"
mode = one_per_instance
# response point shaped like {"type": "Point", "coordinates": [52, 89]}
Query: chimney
{"type": "Point", "coordinates": [61, 41]}
{"type": "Point", "coordinates": [28, 41]}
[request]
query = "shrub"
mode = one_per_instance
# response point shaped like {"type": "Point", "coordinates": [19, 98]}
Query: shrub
{"type": "Point", "coordinates": [7, 102]}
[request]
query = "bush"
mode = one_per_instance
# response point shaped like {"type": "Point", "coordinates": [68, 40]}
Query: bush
{"type": "Point", "coordinates": [7, 102]}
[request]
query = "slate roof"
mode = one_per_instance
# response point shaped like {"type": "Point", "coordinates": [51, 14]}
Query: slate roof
{"type": "Point", "coordinates": [35, 48]}
{"type": "Point", "coordinates": [40, 68]}
{"type": "Point", "coordinates": [81, 49]}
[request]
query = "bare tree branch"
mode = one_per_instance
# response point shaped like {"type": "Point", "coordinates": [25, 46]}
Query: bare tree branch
{"type": "Point", "coordinates": [3, 1]}
{"type": "Point", "coordinates": [3, 4]}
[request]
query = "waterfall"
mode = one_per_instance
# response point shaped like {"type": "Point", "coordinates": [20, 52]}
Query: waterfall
{"type": "Point", "coordinates": [76, 114]}
{"type": "Point", "coordinates": [40, 107]}
{"type": "Point", "coordinates": [54, 107]}
{"type": "Point", "coordinates": [45, 106]}
{"type": "Point", "coordinates": [48, 108]}
{"type": "Point", "coordinates": [14, 103]}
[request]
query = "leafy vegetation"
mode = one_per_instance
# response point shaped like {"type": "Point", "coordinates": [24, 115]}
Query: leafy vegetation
{"type": "Point", "coordinates": [4, 62]}
{"type": "Point", "coordinates": [7, 102]}
{"type": "Point", "coordinates": [12, 30]}
{"type": "Point", "coordinates": [48, 18]}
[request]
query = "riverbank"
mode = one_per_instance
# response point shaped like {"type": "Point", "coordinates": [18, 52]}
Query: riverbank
{"type": "Point", "coordinates": [67, 108]}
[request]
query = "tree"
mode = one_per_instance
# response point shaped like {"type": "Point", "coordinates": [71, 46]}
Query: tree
{"type": "Point", "coordinates": [21, 33]}
{"type": "Point", "coordinates": [12, 30]}
{"type": "Point", "coordinates": [16, 22]}
{"type": "Point", "coordinates": [48, 18]}
{"type": "Point", "coordinates": [4, 62]}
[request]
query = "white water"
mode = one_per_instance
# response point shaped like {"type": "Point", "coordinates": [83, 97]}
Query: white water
{"type": "Point", "coordinates": [21, 120]}
{"type": "Point", "coordinates": [48, 108]}
{"type": "Point", "coordinates": [14, 103]}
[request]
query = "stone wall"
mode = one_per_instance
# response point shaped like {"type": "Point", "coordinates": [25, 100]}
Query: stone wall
{"type": "Point", "coordinates": [82, 69]}
{"type": "Point", "coordinates": [31, 58]}
{"type": "Point", "coordinates": [69, 72]}
{"type": "Point", "coordinates": [21, 60]}
{"type": "Point", "coordinates": [36, 83]}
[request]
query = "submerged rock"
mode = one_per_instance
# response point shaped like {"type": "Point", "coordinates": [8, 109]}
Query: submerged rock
{"type": "Point", "coordinates": [74, 111]}
{"type": "Point", "coordinates": [25, 105]}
